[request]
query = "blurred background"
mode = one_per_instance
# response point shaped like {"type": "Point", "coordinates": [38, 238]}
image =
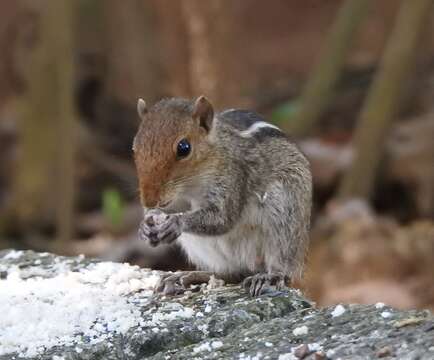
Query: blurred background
{"type": "Point", "coordinates": [352, 81]}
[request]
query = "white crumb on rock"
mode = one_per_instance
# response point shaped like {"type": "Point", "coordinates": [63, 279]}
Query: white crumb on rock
{"type": "Point", "coordinates": [380, 305]}
{"type": "Point", "coordinates": [301, 330]}
{"type": "Point", "coordinates": [338, 311]}
{"type": "Point", "coordinates": [204, 329]}
{"type": "Point", "coordinates": [243, 356]}
{"type": "Point", "coordinates": [288, 356]}
{"type": "Point", "coordinates": [202, 347]}
{"type": "Point", "coordinates": [216, 344]}
{"type": "Point", "coordinates": [184, 312]}
{"type": "Point", "coordinates": [386, 314]}
{"type": "Point", "coordinates": [315, 347]}
{"type": "Point", "coordinates": [208, 346]}
{"type": "Point", "coordinates": [330, 353]}
{"type": "Point", "coordinates": [13, 254]}
{"type": "Point", "coordinates": [40, 313]}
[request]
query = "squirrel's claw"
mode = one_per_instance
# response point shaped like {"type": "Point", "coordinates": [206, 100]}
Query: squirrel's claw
{"type": "Point", "coordinates": [262, 283]}
{"type": "Point", "coordinates": [170, 230]}
{"type": "Point", "coordinates": [179, 282]}
{"type": "Point", "coordinates": [168, 285]}
{"type": "Point", "coordinates": [146, 233]}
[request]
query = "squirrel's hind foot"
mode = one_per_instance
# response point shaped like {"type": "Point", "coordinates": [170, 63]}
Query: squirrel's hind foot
{"type": "Point", "coordinates": [177, 283]}
{"type": "Point", "coordinates": [263, 283]}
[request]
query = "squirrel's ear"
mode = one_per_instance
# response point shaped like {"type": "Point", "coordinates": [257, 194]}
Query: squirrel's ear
{"type": "Point", "coordinates": [141, 108]}
{"type": "Point", "coordinates": [204, 112]}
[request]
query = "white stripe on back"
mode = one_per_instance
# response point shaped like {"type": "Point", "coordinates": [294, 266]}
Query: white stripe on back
{"type": "Point", "coordinates": [255, 127]}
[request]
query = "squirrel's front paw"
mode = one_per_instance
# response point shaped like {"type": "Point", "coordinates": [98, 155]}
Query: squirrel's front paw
{"type": "Point", "coordinates": [158, 227]}
{"type": "Point", "coordinates": [170, 229]}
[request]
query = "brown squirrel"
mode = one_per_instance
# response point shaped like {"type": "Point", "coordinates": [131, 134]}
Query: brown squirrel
{"type": "Point", "coordinates": [232, 189]}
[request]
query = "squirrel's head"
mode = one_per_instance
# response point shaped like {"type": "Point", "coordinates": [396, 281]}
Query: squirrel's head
{"type": "Point", "coordinates": [170, 147]}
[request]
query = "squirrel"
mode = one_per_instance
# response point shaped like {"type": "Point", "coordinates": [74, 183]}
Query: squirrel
{"type": "Point", "coordinates": [229, 187]}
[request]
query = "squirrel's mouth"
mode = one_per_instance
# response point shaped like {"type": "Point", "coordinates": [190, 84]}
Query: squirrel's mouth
{"type": "Point", "coordinates": [164, 204]}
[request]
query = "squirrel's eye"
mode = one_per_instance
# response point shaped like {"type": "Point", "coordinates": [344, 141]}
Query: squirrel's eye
{"type": "Point", "coordinates": [183, 148]}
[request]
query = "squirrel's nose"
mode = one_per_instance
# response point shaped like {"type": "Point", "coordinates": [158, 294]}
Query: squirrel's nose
{"type": "Point", "coordinates": [151, 202]}
{"type": "Point", "coordinates": [150, 198]}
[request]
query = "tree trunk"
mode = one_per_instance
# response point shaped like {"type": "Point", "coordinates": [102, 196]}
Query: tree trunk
{"type": "Point", "coordinates": [45, 174]}
{"type": "Point", "coordinates": [131, 54]}
{"type": "Point", "coordinates": [175, 56]}
{"type": "Point", "coordinates": [383, 98]}
{"type": "Point", "coordinates": [213, 61]}
{"type": "Point", "coordinates": [319, 88]}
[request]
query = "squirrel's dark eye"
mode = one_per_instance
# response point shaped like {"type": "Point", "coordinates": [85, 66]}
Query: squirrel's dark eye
{"type": "Point", "coordinates": [183, 148]}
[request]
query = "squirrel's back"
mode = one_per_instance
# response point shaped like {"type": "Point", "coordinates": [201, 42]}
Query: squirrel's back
{"type": "Point", "coordinates": [266, 149]}
{"type": "Point", "coordinates": [249, 124]}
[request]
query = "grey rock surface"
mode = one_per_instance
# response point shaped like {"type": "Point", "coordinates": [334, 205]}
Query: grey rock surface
{"type": "Point", "coordinates": [219, 323]}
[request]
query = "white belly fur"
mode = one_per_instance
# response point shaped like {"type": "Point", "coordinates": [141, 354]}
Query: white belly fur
{"type": "Point", "coordinates": [235, 252]}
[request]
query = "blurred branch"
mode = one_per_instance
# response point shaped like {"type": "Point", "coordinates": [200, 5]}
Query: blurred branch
{"type": "Point", "coordinates": [60, 15]}
{"type": "Point", "coordinates": [383, 98]}
{"type": "Point", "coordinates": [95, 153]}
{"type": "Point", "coordinates": [318, 90]}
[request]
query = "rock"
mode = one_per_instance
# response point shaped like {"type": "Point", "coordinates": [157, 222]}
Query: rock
{"type": "Point", "coordinates": [73, 308]}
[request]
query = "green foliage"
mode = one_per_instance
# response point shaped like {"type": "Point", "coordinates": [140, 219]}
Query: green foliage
{"type": "Point", "coordinates": [113, 207]}
{"type": "Point", "coordinates": [285, 112]}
